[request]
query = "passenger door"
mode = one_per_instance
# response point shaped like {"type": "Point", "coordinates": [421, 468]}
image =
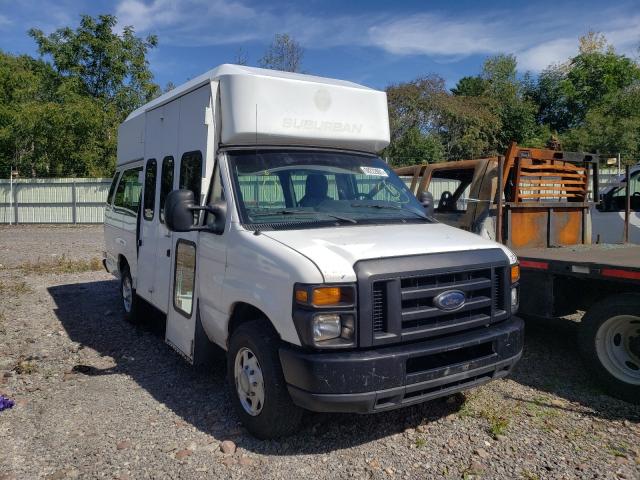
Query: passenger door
{"type": "Point", "coordinates": [181, 316]}
{"type": "Point", "coordinates": [148, 233]}
{"type": "Point", "coordinates": [164, 242]}
{"type": "Point", "coordinates": [126, 204]}
{"type": "Point", "coordinates": [608, 218]}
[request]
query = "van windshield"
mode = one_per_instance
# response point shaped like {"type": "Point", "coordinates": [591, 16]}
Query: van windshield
{"type": "Point", "coordinates": [283, 189]}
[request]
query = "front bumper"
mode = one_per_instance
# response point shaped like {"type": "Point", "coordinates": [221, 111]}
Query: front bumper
{"type": "Point", "coordinates": [392, 377]}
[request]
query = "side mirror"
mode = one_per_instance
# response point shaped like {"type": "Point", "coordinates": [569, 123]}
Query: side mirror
{"type": "Point", "coordinates": [178, 210]}
{"type": "Point", "coordinates": [426, 199]}
{"type": "Point", "coordinates": [219, 212]}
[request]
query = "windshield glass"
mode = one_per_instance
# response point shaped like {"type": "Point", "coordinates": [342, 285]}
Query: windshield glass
{"type": "Point", "coordinates": [298, 189]}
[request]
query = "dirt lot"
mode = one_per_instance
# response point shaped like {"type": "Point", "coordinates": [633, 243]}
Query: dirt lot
{"type": "Point", "coordinates": [99, 398]}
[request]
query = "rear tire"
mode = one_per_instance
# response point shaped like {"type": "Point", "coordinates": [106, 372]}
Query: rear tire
{"type": "Point", "coordinates": [131, 303]}
{"type": "Point", "coordinates": [609, 339]}
{"type": "Point", "coordinates": [258, 388]}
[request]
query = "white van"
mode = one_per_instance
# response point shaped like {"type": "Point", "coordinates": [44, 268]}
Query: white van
{"type": "Point", "coordinates": [249, 206]}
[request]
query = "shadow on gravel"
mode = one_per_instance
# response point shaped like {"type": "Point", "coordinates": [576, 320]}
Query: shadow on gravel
{"type": "Point", "coordinates": [91, 315]}
{"type": "Point", "coordinates": [551, 363]}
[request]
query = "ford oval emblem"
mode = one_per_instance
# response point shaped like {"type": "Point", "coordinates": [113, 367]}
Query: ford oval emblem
{"type": "Point", "coordinates": [450, 300]}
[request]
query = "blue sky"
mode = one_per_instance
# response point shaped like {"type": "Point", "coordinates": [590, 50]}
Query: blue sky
{"type": "Point", "coordinates": [371, 42]}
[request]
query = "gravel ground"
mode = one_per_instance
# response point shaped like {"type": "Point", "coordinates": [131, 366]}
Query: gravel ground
{"type": "Point", "coordinates": [99, 398]}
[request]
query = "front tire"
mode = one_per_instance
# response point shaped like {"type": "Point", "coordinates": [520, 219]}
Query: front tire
{"type": "Point", "coordinates": [131, 303]}
{"type": "Point", "coordinates": [258, 388]}
{"type": "Point", "coordinates": [609, 339]}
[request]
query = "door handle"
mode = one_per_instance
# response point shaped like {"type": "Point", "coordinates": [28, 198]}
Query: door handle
{"type": "Point", "coordinates": [168, 252]}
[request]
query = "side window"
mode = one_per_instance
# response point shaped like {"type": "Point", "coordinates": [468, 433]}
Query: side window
{"type": "Point", "coordinates": [129, 189]}
{"type": "Point", "coordinates": [619, 200]}
{"type": "Point", "coordinates": [191, 173]}
{"type": "Point", "coordinates": [185, 274]}
{"type": "Point", "coordinates": [166, 183]}
{"type": "Point", "coordinates": [450, 189]}
{"type": "Point", "coordinates": [112, 188]}
{"type": "Point", "coordinates": [150, 188]}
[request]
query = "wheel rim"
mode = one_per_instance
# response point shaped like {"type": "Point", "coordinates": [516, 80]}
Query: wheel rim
{"type": "Point", "coordinates": [249, 381]}
{"type": "Point", "coordinates": [618, 347]}
{"type": "Point", "coordinates": [127, 293]}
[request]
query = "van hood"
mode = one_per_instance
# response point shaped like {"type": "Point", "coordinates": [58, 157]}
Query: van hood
{"type": "Point", "coordinates": [335, 250]}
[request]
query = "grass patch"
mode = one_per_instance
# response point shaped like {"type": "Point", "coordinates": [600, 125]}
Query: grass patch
{"type": "Point", "coordinates": [621, 449]}
{"type": "Point", "coordinates": [14, 288]}
{"type": "Point", "coordinates": [61, 265]}
{"type": "Point", "coordinates": [26, 367]}
{"type": "Point", "coordinates": [498, 425]}
{"type": "Point", "coordinates": [421, 442]}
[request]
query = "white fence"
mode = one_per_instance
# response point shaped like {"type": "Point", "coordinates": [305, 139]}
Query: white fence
{"type": "Point", "coordinates": [81, 200]}
{"type": "Point", "coordinates": [53, 200]}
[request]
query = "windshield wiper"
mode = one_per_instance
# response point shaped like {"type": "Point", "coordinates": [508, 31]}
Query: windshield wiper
{"type": "Point", "coordinates": [293, 211]}
{"type": "Point", "coordinates": [389, 207]}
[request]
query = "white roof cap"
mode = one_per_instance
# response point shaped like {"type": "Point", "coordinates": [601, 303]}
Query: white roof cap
{"type": "Point", "coordinates": [230, 69]}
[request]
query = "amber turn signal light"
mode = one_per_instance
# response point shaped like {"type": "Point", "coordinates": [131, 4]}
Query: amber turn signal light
{"type": "Point", "coordinates": [515, 273]}
{"type": "Point", "coordinates": [324, 296]}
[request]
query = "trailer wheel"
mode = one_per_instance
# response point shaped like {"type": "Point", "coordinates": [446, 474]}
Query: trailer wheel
{"type": "Point", "coordinates": [258, 388]}
{"type": "Point", "coordinates": [130, 300]}
{"type": "Point", "coordinates": [609, 339]}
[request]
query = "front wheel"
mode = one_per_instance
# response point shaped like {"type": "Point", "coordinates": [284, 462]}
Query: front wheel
{"type": "Point", "coordinates": [130, 300]}
{"type": "Point", "coordinates": [258, 388]}
{"type": "Point", "coordinates": [609, 339]}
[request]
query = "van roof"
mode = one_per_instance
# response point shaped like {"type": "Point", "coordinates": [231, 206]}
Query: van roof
{"type": "Point", "coordinates": [229, 69]}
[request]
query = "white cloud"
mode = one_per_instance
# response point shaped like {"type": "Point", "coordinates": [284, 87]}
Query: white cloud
{"type": "Point", "coordinates": [4, 20]}
{"type": "Point", "coordinates": [540, 56]}
{"type": "Point", "coordinates": [431, 34]}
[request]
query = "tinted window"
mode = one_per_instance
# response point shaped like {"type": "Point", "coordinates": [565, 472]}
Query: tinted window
{"type": "Point", "coordinates": [129, 189]}
{"type": "Point", "coordinates": [150, 188]}
{"type": "Point", "coordinates": [185, 274]}
{"type": "Point", "coordinates": [166, 183]}
{"type": "Point", "coordinates": [619, 196]}
{"type": "Point", "coordinates": [191, 173]}
{"type": "Point", "coordinates": [112, 188]}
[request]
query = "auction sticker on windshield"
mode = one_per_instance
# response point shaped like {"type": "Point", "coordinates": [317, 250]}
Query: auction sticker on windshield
{"type": "Point", "coordinates": [376, 172]}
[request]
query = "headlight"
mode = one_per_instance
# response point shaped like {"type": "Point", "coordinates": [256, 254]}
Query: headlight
{"type": "Point", "coordinates": [325, 315]}
{"type": "Point", "coordinates": [326, 326]}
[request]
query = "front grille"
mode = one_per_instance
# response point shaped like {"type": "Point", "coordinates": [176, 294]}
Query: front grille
{"type": "Point", "coordinates": [379, 307]}
{"type": "Point", "coordinates": [402, 304]}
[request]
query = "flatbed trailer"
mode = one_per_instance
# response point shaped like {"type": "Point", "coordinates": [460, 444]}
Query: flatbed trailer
{"type": "Point", "coordinates": [536, 202]}
{"type": "Point", "coordinates": [603, 281]}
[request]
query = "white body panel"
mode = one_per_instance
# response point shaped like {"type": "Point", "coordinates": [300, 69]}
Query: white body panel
{"type": "Point", "coordinates": [335, 250]}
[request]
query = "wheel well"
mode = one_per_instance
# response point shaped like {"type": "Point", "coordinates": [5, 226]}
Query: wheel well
{"type": "Point", "coordinates": [122, 262]}
{"type": "Point", "coordinates": [245, 312]}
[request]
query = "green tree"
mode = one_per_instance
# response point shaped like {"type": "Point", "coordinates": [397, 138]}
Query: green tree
{"type": "Point", "coordinates": [422, 114]}
{"type": "Point", "coordinates": [515, 109]}
{"type": "Point", "coordinates": [566, 93]}
{"type": "Point", "coordinates": [109, 66]}
{"type": "Point", "coordinates": [284, 53]}
{"type": "Point", "coordinates": [470, 86]}
{"type": "Point", "coordinates": [611, 127]}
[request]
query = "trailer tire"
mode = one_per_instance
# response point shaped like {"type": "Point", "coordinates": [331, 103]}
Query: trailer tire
{"type": "Point", "coordinates": [609, 340]}
{"type": "Point", "coordinates": [131, 303]}
{"type": "Point", "coordinates": [258, 388]}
